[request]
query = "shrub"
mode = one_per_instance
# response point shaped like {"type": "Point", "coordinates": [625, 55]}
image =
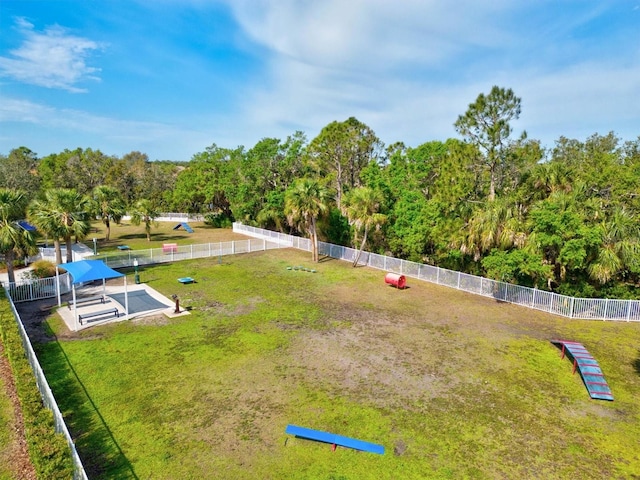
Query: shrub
{"type": "Point", "coordinates": [42, 269]}
{"type": "Point", "coordinates": [218, 220]}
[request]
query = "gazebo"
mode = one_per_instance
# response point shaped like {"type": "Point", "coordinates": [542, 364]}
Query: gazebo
{"type": "Point", "coordinates": [88, 271]}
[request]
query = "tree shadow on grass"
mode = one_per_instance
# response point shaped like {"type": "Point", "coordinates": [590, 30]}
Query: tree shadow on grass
{"type": "Point", "coordinates": [325, 259]}
{"type": "Point", "coordinates": [155, 237]}
{"type": "Point", "coordinates": [99, 451]}
{"type": "Point", "coordinates": [636, 363]}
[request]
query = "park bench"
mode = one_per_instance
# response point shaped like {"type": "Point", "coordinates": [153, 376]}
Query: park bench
{"type": "Point", "coordinates": [170, 248]}
{"type": "Point", "coordinates": [102, 313]}
{"type": "Point", "coordinates": [83, 300]}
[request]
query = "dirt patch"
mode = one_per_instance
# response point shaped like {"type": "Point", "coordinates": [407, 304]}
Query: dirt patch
{"type": "Point", "coordinates": [17, 456]}
{"type": "Point", "coordinates": [33, 316]}
{"type": "Point", "coordinates": [152, 320]}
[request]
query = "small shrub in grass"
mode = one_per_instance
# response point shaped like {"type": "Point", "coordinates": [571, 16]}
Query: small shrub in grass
{"type": "Point", "coordinates": [48, 450]}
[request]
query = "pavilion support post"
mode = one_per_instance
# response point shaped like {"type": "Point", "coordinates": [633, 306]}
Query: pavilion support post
{"type": "Point", "coordinates": [75, 307]}
{"type": "Point", "coordinates": [126, 299]}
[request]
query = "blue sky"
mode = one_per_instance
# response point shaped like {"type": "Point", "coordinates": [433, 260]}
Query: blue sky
{"type": "Point", "coordinates": [171, 77]}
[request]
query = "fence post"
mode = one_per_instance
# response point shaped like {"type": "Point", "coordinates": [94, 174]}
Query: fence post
{"type": "Point", "coordinates": [264, 244]}
{"type": "Point", "coordinates": [192, 251]}
{"type": "Point", "coordinates": [151, 254]}
{"type": "Point", "coordinates": [606, 309]}
{"type": "Point", "coordinates": [458, 287]}
{"type": "Point", "coordinates": [573, 301]}
{"type": "Point", "coordinates": [233, 247]}
{"type": "Point", "coordinates": [629, 302]}
{"type": "Point", "coordinates": [533, 299]}
{"type": "Point", "coordinates": [58, 286]}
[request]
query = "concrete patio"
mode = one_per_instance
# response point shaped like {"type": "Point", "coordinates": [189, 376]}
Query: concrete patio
{"type": "Point", "coordinates": [143, 301]}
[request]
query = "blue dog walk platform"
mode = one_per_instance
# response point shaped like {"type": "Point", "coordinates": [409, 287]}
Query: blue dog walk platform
{"type": "Point", "coordinates": [334, 439]}
{"type": "Point", "coordinates": [588, 367]}
{"type": "Point", "coordinates": [184, 225]}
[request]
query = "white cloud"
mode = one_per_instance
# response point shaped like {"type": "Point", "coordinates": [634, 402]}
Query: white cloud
{"type": "Point", "coordinates": [56, 127]}
{"type": "Point", "coordinates": [409, 68]}
{"type": "Point", "coordinates": [371, 34]}
{"type": "Point", "coordinates": [53, 58]}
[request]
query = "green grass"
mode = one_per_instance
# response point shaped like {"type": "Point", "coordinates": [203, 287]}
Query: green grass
{"type": "Point", "coordinates": [453, 385]}
{"type": "Point", "coordinates": [6, 432]}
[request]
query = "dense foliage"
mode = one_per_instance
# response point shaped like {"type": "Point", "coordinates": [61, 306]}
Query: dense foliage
{"type": "Point", "coordinates": [564, 219]}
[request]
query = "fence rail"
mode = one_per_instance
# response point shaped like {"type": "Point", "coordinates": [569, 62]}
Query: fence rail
{"type": "Point", "coordinates": [579, 308]}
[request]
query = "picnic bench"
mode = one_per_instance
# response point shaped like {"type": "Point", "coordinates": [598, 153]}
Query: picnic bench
{"type": "Point", "coordinates": [170, 248]}
{"type": "Point", "coordinates": [83, 300]}
{"type": "Point", "coordinates": [102, 313]}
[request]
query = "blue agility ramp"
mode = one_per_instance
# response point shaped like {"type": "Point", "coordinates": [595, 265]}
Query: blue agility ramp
{"type": "Point", "coordinates": [588, 367]}
{"type": "Point", "coordinates": [334, 439]}
{"type": "Point", "coordinates": [186, 226]}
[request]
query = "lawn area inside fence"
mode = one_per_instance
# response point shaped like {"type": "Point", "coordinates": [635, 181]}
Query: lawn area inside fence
{"type": "Point", "coordinates": [453, 385]}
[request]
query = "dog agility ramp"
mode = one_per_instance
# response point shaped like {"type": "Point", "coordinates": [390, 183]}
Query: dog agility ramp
{"type": "Point", "coordinates": [588, 367]}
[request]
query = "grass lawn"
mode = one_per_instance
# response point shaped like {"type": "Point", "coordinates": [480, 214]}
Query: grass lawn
{"type": "Point", "coordinates": [453, 385]}
{"type": "Point", "coordinates": [161, 232]}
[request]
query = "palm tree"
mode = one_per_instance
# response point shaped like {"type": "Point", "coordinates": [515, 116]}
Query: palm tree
{"type": "Point", "coordinates": [15, 241]}
{"type": "Point", "coordinates": [305, 201]}
{"type": "Point", "coordinates": [361, 206]}
{"type": "Point", "coordinates": [620, 248]}
{"type": "Point", "coordinates": [497, 224]}
{"type": "Point", "coordinates": [107, 203]}
{"type": "Point", "coordinates": [145, 212]}
{"type": "Point", "coordinates": [62, 214]}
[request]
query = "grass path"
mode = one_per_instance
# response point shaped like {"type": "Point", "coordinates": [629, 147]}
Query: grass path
{"type": "Point", "coordinates": [453, 385]}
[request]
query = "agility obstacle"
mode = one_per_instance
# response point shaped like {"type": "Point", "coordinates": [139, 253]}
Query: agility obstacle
{"type": "Point", "coordinates": [333, 439]}
{"type": "Point", "coordinates": [588, 367]}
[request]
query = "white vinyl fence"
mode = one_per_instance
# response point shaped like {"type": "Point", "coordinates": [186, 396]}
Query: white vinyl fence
{"type": "Point", "coordinates": [37, 289]}
{"type": "Point", "coordinates": [47, 396]}
{"type": "Point", "coordinates": [581, 308]}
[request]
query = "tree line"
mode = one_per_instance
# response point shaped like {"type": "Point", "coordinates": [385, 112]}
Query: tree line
{"type": "Point", "coordinates": [490, 203]}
